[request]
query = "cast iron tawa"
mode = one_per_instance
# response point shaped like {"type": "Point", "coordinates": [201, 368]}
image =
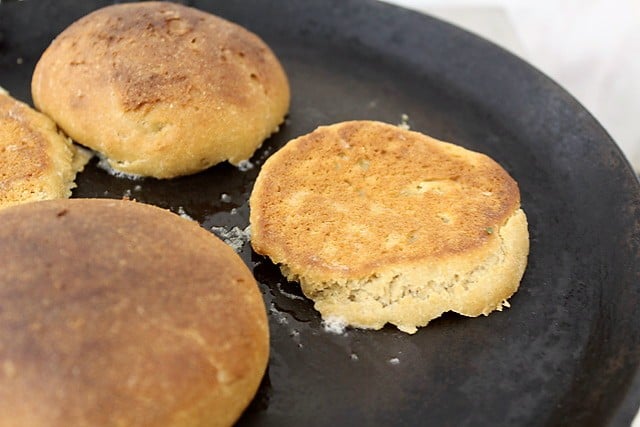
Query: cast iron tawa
{"type": "Point", "coordinates": [565, 353]}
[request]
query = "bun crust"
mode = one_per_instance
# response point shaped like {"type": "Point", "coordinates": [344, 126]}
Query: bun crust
{"type": "Point", "coordinates": [162, 89]}
{"type": "Point", "coordinates": [118, 313]}
{"type": "Point", "coordinates": [381, 224]}
{"type": "Point", "coordinates": [36, 161]}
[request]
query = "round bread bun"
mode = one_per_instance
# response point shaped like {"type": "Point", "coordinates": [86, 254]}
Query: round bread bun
{"type": "Point", "coordinates": [161, 89]}
{"type": "Point", "coordinates": [116, 313]}
{"type": "Point", "coordinates": [380, 224]}
{"type": "Point", "coordinates": [36, 161]}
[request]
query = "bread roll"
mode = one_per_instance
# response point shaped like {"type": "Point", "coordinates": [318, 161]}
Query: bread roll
{"type": "Point", "coordinates": [384, 225]}
{"type": "Point", "coordinates": [116, 313]}
{"type": "Point", "coordinates": [37, 162]}
{"type": "Point", "coordinates": [162, 89]}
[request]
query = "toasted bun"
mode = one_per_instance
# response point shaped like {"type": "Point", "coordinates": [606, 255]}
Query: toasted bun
{"type": "Point", "coordinates": [116, 313]}
{"type": "Point", "coordinates": [36, 161]}
{"type": "Point", "coordinates": [380, 224]}
{"type": "Point", "coordinates": [162, 89]}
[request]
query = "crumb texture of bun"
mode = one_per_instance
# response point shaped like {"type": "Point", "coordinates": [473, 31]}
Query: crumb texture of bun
{"type": "Point", "coordinates": [37, 162]}
{"type": "Point", "coordinates": [116, 313]}
{"type": "Point", "coordinates": [385, 225]}
{"type": "Point", "coordinates": [162, 89]}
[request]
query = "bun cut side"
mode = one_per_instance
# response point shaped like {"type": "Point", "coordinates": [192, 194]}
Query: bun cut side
{"type": "Point", "coordinates": [384, 225]}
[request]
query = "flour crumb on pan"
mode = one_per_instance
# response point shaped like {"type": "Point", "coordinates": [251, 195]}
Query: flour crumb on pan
{"type": "Point", "coordinates": [404, 122]}
{"type": "Point", "coordinates": [235, 237]}
{"type": "Point", "coordinates": [334, 325]}
{"type": "Point", "coordinates": [183, 214]}
{"type": "Point", "coordinates": [245, 166]}
{"type": "Point", "coordinates": [105, 165]}
{"type": "Point", "coordinates": [381, 225]}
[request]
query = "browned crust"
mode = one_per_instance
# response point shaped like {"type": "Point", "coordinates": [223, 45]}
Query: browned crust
{"type": "Point", "coordinates": [347, 200]}
{"type": "Point", "coordinates": [152, 80]}
{"type": "Point", "coordinates": [118, 313]}
{"type": "Point", "coordinates": [23, 149]}
{"type": "Point", "coordinates": [36, 161]}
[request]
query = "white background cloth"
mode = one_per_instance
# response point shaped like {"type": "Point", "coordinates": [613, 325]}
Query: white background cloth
{"type": "Point", "coordinates": [590, 47]}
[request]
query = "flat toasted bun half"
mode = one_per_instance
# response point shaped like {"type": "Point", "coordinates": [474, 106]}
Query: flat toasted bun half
{"type": "Point", "coordinates": [116, 313]}
{"type": "Point", "coordinates": [161, 89]}
{"type": "Point", "coordinates": [36, 161]}
{"type": "Point", "coordinates": [384, 225]}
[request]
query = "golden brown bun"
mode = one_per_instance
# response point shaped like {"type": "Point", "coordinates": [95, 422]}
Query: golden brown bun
{"type": "Point", "coordinates": [36, 161]}
{"type": "Point", "coordinates": [116, 313]}
{"type": "Point", "coordinates": [380, 224]}
{"type": "Point", "coordinates": [162, 89]}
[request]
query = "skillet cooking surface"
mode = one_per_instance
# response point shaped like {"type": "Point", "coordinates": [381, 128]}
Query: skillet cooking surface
{"type": "Point", "coordinates": [568, 349]}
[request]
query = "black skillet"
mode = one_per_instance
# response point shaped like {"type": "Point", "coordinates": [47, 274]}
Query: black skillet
{"type": "Point", "coordinates": [566, 353]}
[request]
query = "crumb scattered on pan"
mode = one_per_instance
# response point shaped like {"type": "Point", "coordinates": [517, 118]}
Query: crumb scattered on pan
{"type": "Point", "coordinates": [236, 238]}
{"type": "Point", "coordinates": [404, 122]}
{"type": "Point", "coordinates": [279, 316]}
{"type": "Point", "coordinates": [334, 325]}
{"type": "Point", "coordinates": [288, 294]}
{"type": "Point", "coordinates": [245, 165]}
{"type": "Point", "coordinates": [184, 214]}
{"type": "Point", "coordinates": [104, 165]}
